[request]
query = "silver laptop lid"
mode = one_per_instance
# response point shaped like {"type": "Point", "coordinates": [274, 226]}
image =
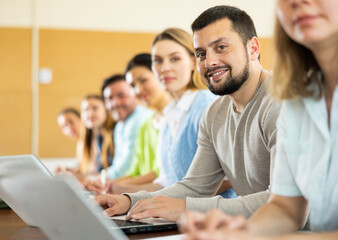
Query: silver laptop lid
{"type": "Point", "coordinates": [21, 164]}
{"type": "Point", "coordinates": [59, 208]}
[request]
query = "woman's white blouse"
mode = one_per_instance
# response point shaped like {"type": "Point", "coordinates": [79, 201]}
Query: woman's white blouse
{"type": "Point", "coordinates": [307, 158]}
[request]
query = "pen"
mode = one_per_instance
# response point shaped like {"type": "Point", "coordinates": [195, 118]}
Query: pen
{"type": "Point", "coordinates": [103, 179]}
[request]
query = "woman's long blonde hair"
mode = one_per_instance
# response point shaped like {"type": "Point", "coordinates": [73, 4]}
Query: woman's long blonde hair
{"type": "Point", "coordinates": [294, 68]}
{"type": "Point", "coordinates": [185, 40]}
{"type": "Point", "coordinates": [107, 143]}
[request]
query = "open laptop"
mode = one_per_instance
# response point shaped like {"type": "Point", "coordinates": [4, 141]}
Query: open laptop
{"type": "Point", "coordinates": [61, 210]}
{"type": "Point", "coordinates": [35, 167]}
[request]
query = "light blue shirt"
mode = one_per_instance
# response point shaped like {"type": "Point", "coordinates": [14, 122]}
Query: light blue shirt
{"type": "Point", "coordinates": [179, 137]}
{"type": "Point", "coordinates": [176, 153]}
{"type": "Point", "coordinates": [125, 136]}
{"type": "Point", "coordinates": [307, 158]}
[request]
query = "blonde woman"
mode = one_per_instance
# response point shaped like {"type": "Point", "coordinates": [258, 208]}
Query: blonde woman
{"type": "Point", "coordinates": [174, 64]}
{"type": "Point", "coordinates": [98, 147]}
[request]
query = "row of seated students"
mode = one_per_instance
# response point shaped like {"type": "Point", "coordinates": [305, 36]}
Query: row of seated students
{"type": "Point", "coordinates": [168, 84]}
{"type": "Point", "coordinates": [238, 136]}
{"type": "Point", "coordinates": [248, 136]}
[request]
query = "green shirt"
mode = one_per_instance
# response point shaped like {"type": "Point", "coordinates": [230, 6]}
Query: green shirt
{"type": "Point", "coordinates": [146, 145]}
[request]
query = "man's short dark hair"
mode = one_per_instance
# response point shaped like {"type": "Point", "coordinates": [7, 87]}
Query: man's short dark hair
{"type": "Point", "coordinates": [241, 21]}
{"type": "Point", "coordinates": [112, 79]}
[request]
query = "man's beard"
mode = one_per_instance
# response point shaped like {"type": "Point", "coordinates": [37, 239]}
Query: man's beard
{"type": "Point", "coordinates": [231, 83]}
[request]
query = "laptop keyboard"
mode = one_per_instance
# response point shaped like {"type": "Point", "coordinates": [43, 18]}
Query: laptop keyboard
{"type": "Point", "coordinates": [125, 223]}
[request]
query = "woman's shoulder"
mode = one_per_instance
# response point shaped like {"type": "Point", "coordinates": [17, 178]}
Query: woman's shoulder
{"type": "Point", "coordinates": [211, 102]}
{"type": "Point", "coordinates": [292, 113]}
{"type": "Point", "coordinates": [293, 106]}
{"type": "Point", "coordinates": [206, 94]}
{"type": "Point", "coordinates": [204, 98]}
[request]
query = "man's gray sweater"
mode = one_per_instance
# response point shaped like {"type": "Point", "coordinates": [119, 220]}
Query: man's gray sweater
{"type": "Point", "coordinates": [240, 146]}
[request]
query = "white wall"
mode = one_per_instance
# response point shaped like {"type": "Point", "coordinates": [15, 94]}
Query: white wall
{"type": "Point", "coordinates": [125, 15]}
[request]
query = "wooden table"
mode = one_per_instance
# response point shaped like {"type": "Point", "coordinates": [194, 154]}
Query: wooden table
{"type": "Point", "coordinates": [13, 228]}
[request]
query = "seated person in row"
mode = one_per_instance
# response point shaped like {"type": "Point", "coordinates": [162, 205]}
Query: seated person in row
{"type": "Point", "coordinates": [305, 174]}
{"type": "Point", "coordinates": [122, 103]}
{"type": "Point", "coordinates": [98, 144]}
{"type": "Point", "coordinates": [97, 148]}
{"type": "Point", "coordinates": [69, 120]}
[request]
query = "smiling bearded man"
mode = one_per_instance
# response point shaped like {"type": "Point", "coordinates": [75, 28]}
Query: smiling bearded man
{"type": "Point", "coordinates": [237, 133]}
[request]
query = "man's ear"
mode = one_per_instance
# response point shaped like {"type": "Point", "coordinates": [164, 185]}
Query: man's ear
{"type": "Point", "coordinates": [253, 48]}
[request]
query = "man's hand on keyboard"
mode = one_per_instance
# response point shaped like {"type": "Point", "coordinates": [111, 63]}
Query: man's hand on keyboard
{"type": "Point", "coordinates": [114, 204]}
{"type": "Point", "coordinates": [163, 207]}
